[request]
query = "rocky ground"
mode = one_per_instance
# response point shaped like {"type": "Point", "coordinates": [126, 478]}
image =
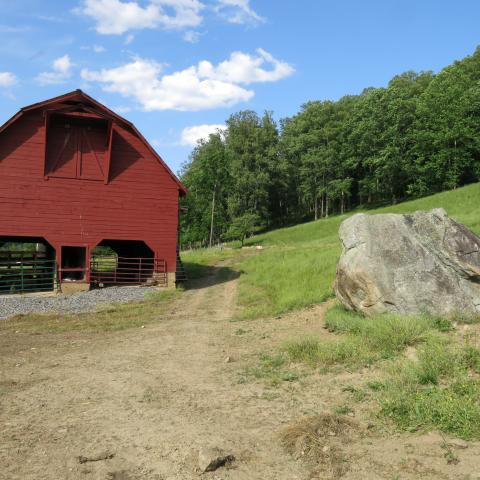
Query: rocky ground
{"type": "Point", "coordinates": [80, 302]}
{"type": "Point", "coordinates": [157, 403]}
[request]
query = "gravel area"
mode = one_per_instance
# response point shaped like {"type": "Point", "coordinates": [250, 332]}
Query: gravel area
{"type": "Point", "coordinates": [78, 302]}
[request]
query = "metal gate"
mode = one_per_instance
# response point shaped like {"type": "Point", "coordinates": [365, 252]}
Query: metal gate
{"type": "Point", "coordinates": [112, 270]}
{"type": "Point", "coordinates": [25, 272]}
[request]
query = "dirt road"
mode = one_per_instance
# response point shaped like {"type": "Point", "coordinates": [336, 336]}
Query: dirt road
{"type": "Point", "coordinates": [154, 396]}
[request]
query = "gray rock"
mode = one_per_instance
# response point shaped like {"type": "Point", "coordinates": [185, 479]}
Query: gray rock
{"type": "Point", "coordinates": [408, 264]}
{"type": "Point", "coordinates": [209, 459]}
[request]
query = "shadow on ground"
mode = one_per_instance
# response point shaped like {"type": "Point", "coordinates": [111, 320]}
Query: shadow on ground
{"type": "Point", "coordinates": [204, 276]}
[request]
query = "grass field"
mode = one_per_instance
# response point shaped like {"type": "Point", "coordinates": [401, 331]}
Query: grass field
{"type": "Point", "coordinates": [296, 268]}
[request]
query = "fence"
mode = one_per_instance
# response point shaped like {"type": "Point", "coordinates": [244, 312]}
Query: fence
{"type": "Point", "coordinates": [112, 270]}
{"type": "Point", "coordinates": [22, 272]}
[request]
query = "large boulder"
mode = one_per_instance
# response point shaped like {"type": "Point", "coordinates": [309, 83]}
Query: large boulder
{"type": "Point", "coordinates": [408, 264]}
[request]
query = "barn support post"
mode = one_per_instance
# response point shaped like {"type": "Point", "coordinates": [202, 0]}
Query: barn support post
{"type": "Point", "coordinates": [163, 277]}
{"type": "Point", "coordinates": [171, 279]}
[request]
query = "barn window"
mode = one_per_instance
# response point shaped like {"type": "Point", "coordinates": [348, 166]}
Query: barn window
{"type": "Point", "coordinates": [74, 260]}
{"type": "Point", "coordinates": [77, 147]}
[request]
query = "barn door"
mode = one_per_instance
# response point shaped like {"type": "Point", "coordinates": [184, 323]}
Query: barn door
{"type": "Point", "coordinates": [62, 148]}
{"type": "Point", "coordinates": [76, 151]}
{"type": "Point", "coordinates": [90, 144]}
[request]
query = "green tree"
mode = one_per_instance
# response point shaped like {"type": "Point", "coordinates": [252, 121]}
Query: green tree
{"type": "Point", "coordinates": [243, 226]}
{"type": "Point", "coordinates": [207, 178]}
{"type": "Point", "coordinates": [251, 147]}
{"type": "Point", "coordinates": [448, 129]}
{"type": "Point", "coordinates": [418, 135]}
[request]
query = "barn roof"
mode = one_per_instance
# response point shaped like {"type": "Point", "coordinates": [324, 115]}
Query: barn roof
{"type": "Point", "coordinates": [79, 95]}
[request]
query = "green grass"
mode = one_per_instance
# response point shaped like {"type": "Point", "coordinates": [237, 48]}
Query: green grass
{"type": "Point", "coordinates": [312, 351]}
{"type": "Point", "coordinates": [363, 341]}
{"type": "Point", "coordinates": [296, 268]}
{"type": "Point", "coordinates": [441, 390]}
{"type": "Point", "coordinates": [272, 369]}
{"type": "Point", "coordinates": [117, 316]}
{"type": "Point", "coordinates": [201, 262]}
{"type": "Point", "coordinates": [343, 410]}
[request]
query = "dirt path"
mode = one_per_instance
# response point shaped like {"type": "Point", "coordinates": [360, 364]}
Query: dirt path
{"type": "Point", "coordinates": [154, 396]}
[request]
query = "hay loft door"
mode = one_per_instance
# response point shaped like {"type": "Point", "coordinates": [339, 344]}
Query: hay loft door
{"type": "Point", "coordinates": [77, 148]}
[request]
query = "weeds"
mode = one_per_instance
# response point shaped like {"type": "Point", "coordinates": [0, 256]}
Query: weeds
{"type": "Point", "coordinates": [343, 410]}
{"type": "Point", "coordinates": [314, 352]}
{"type": "Point", "coordinates": [365, 340]}
{"type": "Point", "coordinates": [272, 369]}
{"type": "Point", "coordinates": [358, 394]}
{"type": "Point", "coordinates": [148, 395]}
{"type": "Point", "coordinates": [450, 456]}
{"type": "Point", "coordinates": [440, 390]}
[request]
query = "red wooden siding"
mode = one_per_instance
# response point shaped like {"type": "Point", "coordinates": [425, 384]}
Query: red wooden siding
{"type": "Point", "coordinates": [72, 193]}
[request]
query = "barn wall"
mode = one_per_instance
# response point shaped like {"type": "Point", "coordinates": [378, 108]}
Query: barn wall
{"type": "Point", "coordinates": [140, 202]}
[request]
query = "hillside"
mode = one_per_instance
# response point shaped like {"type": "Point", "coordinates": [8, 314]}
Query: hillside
{"type": "Point", "coordinates": [416, 136]}
{"type": "Point", "coordinates": [296, 268]}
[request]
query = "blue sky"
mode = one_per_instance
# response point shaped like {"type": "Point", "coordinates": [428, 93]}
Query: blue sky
{"type": "Point", "coordinates": [178, 68]}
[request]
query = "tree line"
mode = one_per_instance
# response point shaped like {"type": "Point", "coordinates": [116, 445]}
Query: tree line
{"type": "Point", "coordinates": [417, 136]}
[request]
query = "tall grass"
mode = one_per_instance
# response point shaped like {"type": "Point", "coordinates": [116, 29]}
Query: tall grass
{"type": "Point", "coordinates": [281, 279]}
{"type": "Point", "coordinates": [363, 340]}
{"type": "Point", "coordinates": [440, 390]}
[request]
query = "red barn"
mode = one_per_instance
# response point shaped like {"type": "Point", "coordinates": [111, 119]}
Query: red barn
{"type": "Point", "coordinates": [74, 176]}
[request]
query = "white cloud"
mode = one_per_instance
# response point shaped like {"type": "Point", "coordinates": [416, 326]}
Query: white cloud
{"type": "Point", "coordinates": [187, 13]}
{"type": "Point", "coordinates": [198, 87]}
{"type": "Point", "coordinates": [245, 68]}
{"type": "Point", "coordinates": [182, 90]}
{"type": "Point", "coordinates": [191, 36]}
{"type": "Point", "coordinates": [62, 64]}
{"type": "Point", "coordinates": [115, 17]}
{"type": "Point", "coordinates": [7, 79]}
{"type": "Point", "coordinates": [61, 72]}
{"type": "Point", "coordinates": [191, 135]}
{"type": "Point", "coordinates": [239, 12]}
